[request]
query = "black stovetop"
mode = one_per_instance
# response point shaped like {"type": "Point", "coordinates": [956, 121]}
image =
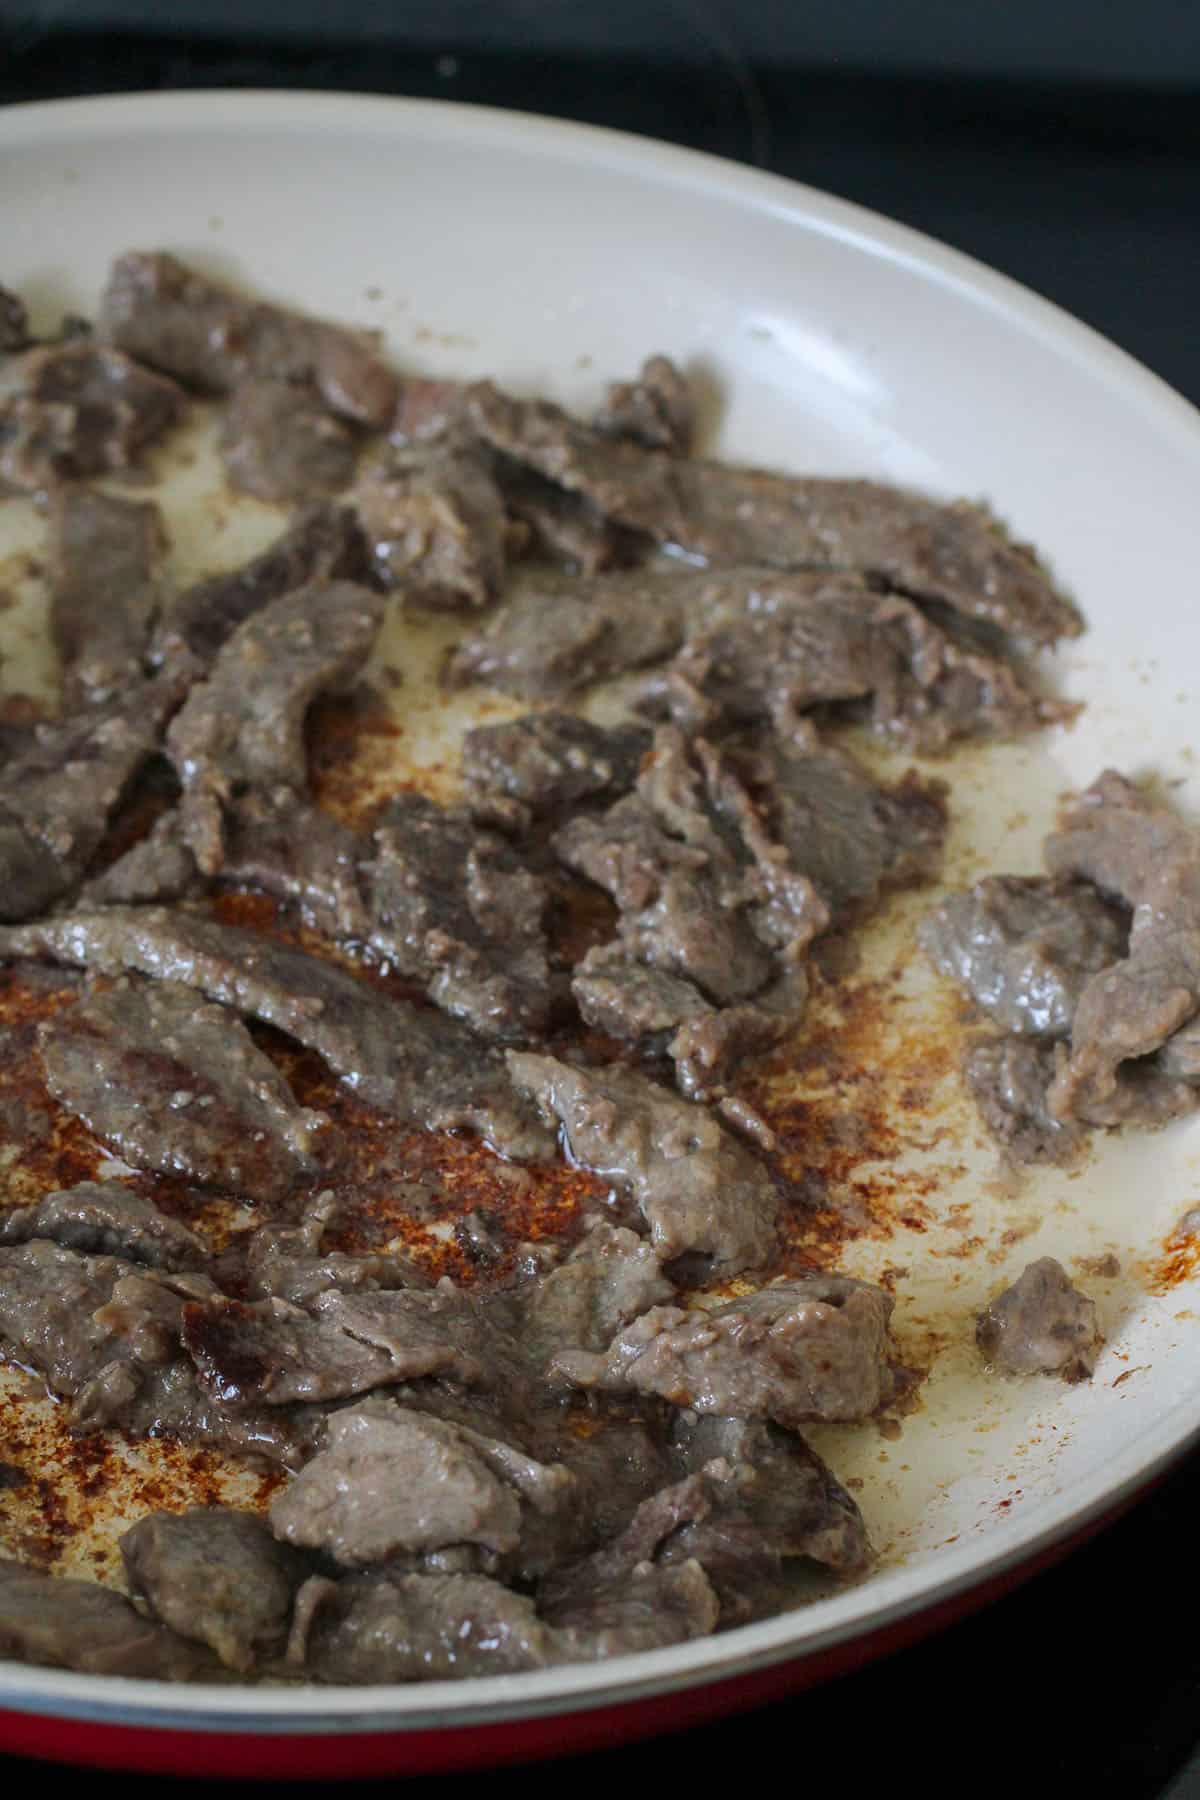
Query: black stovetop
{"type": "Point", "coordinates": [1088, 1678]}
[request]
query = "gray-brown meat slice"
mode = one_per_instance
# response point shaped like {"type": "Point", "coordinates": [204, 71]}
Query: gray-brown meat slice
{"type": "Point", "coordinates": [288, 1262]}
{"type": "Point", "coordinates": [218, 1577]}
{"type": "Point", "coordinates": [417, 1064]}
{"type": "Point", "coordinates": [280, 442]}
{"type": "Point", "coordinates": [610, 1278]}
{"type": "Point", "coordinates": [1042, 1324]}
{"type": "Point", "coordinates": [1024, 947]}
{"type": "Point", "coordinates": [656, 409]}
{"type": "Point", "coordinates": [393, 1627]}
{"type": "Point", "coordinates": [107, 554]}
{"type": "Point", "coordinates": [83, 409]}
{"type": "Point", "coordinates": [211, 338]}
{"type": "Point", "coordinates": [436, 523]}
{"type": "Point", "coordinates": [816, 1347]}
{"type": "Point", "coordinates": [563, 526]}
{"type": "Point", "coordinates": [282, 843]}
{"type": "Point", "coordinates": [618, 1601]}
{"type": "Point", "coordinates": [1009, 1080]}
{"type": "Point", "coordinates": [104, 1217]}
{"type": "Point", "coordinates": [550, 761]}
{"type": "Point", "coordinates": [453, 906]}
{"type": "Point", "coordinates": [158, 867]}
{"type": "Point", "coordinates": [174, 1084]}
{"type": "Point", "coordinates": [699, 1189]}
{"type": "Point", "coordinates": [80, 1625]}
{"type": "Point", "coordinates": [15, 334]}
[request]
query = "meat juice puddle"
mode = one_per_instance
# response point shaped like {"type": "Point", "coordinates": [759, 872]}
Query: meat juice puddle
{"type": "Point", "coordinates": [894, 1178]}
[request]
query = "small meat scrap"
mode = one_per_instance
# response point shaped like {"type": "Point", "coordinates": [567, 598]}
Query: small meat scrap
{"type": "Point", "coordinates": [634, 1001]}
{"type": "Point", "coordinates": [813, 1348]}
{"type": "Point", "coordinates": [280, 441]}
{"type": "Point", "coordinates": [414, 1063]}
{"type": "Point", "coordinates": [656, 410]}
{"type": "Point", "coordinates": [211, 338]}
{"type": "Point", "coordinates": [454, 907]}
{"type": "Point", "coordinates": [286, 845]}
{"type": "Point", "coordinates": [83, 409]}
{"type": "Point", "coordinates": [436, 523]}
{"type": "Point", "coordinates": [242, 730]}
{"type": "Point", "coordinates": [158, 867]}
{"type": "Point", "coordinates": [610, 1278]}
{"type": "Point", "coordinates": [563, 526]}
{"type": "Point", "coordinates": [697, 1186]}
{"type": "Point", "coordinates": [103, 1217]}
{"type": "Point", "coordinates": [176, 1085]}
{"type": "Point", "coordinates": [288, 1262]}
{"type": "Point", "coordinates": [1024, 947]}
{"type": "Point", "coordinates": [428, 1627]}
{"type": "Point", "coordinates": [61, 1624]}
{"type": "Point", "coordinates": [107, 555]}
{"type": "Point", "coordinates": [550, 761]}
{"type": "Point", "coordinates": [15, 334]}
{"type": "Point", "coordinates": [426, 408]}
{"type": "Point", "coordinates": [323, 544]}
{"type": "Point", "coordinates": [1042, 1324]}
{"type": "Point", "coordinates": [218, 1577]}
{"type": "Point", "coordinates": [618, 1601]}
{"type": "Point", "coordinates": [1009, 1079]}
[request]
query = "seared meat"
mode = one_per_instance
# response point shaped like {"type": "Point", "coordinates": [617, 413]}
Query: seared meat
{"type": "Point", "coordinates": [1041, 1324]}
{"type": "Point", "coordinates": [436, 523]}
{"type": "Point", "coordinates": [287, 1262]}
{"type": "Point", "coordinates": [610, 1278]}
{"type": "Point", "coordinates": [158, 867]}
{"type": "Point", "coordinates": [1009, 1079]}
{"type": "Point", "coordinates": [281, 442]}
{"type": "Point", "coordinates": [105, 591]}
{"type": "Point", "coordinates": [14, 324]}
{"type": "Point", "coordinates": [381, 1627]}
{"type": "Point", "coordinates": [563, 526]}
{"type": "Point", "coordinates": [550, 761]}
{"type": "Point", "coordinates": [656, 410]}
{"type": "Point", "coordinates": [80, 1625]}
{"type": "Point", "coordinates": [104, 1217]}
{"type": "Point", "coordinates": [83, 409]}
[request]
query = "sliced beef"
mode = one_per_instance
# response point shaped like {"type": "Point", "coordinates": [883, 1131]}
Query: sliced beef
{"type": "Point", "coordinates": [288, 1262]}
{"type": "Point", "coordinates": [631, 1000]}
{"type": "Point", "coordinates": [1041, 1324]}
{"type": "Point", "coordinates": [212, 338]}
{"type": "Point", "coordinates": [15, 334]}
{"type": "Point", "coordinates": [610, 1278]}
{"type": "Point", "coordinates": [174, 1084]}
{"type": "Point", "coordinates": [281, 442]}
{"type": "Point", "coordinates": [103, 1216]}
{"type": "Point", "coordinates": [550, 761]}
{"type": "Point", "coordinates": [242, 730]}
{"type": "Point", "coordinates": [323, 544]}
{"type": "Point", "coordinates": [436, 523]}
{"type": "Point", "coordinates": [1024, 947]}
{"type": "Point", "coordinates": [1009, 1079]}
{"type": "Point", "coordinates": [218, 1577]}
{"type": "Point", "coordinates": [426, 408]}
{"type": "Point", "coordinates": [107, 556]}
{"type": "Point", "coordinates": [429, 1627]}
{"type": "Point", "coordinates": [416, 1064]}
{"type": "Point", "coordinates": [618, 1601]}
{"type": "Point", "coordinates": [83, 409]}
{"type": "Point", "coordinates": [699, 1189]}
{"type": "Point", "coordinates": [287, 846]}
{"type": "Point", "coordinates": [454, 907]}
{"type": "Point", "coordinates": [158, 867]}
{"type": "Point", "coordinates": [656, 410]}
{"type": "Point", "coordinates": [80, 1625]}
{"type": "Point", "coordinates": [563, 526]}
{"type": "Point", "coordinates": [813, 1348]}
{"type": "Point", "coordinates": [709, 1048]}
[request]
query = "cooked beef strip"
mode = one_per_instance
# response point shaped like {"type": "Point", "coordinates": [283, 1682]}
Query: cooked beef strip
{"type": "Point", "coordinates": [550, 761]}
{"type": "Point", "coordinates": [656, 410]}
{"type": "Point", "coordinates": [419, 1065]}
{"type": "Point", "coordinates": [280, 441]}
{"type": "Point", "coordinates": [1041, 1324]}
{"type": "Point", "coordinates": [321, 545]}
{"type": "Point", "coordinates": [619, 1601]}
{"type": "Point", "coordinates": [104, 1217]}
{"type": "Point", "coordinates": [104, 597]}
{"type": "Point", "coordinates": [563, 526]}
{"type": "Point", "coordinates": [812, 1348]}
{"type": "Point", "coordinates": [80, 1625]}
{"type": "Point", "coordinates": [436, 523]}
{"type": "Point", "coordinates": [287, 1262]}
{"type": "Point", "coordinates": [83, 409]}
{"type": "Point", "coordinates": [291, 848]}
{"type": "Point", "coordinates": [426, 408]}
{"type": "Point", "coordinates": [14, 324]}
{"type": "Point", "coordinates": [211, 338]}
{"type": "Point", "coordinates": [610, 1278]}
{"type": "Point", "coordinates": [632, 1000]}
{"type": "Point", "coordinates": [709, 1048]}
{"type": "Point", "coordinates": [1024, 947]}
{"type": "Point", "coordinates": [453, 906]}
{"type": "Point", "coordinates": [1117, 837]}
{"type": "Point", "coordinates": [382, 1627]}
{"type": "Point", "coordinates": [174, 1084]}
{"type": "Point", "coordinates": [956, 554]}
{"type": "Point", "coordinates": [1009, 1079]}
{"type": "Point", "coordinates": [218, 1577]}
{"type": "Point", "coordinates": [699, 1189]}
{"type": "Point", "coordinates": [243, 729]}
{"type": "Point", "coordinates": [159, 867]}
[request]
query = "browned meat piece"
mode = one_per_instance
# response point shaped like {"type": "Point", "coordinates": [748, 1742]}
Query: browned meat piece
{"type": "Point", "coordinates": [610, 1278]}
{"type": "Point", "coordinates": [436, 523]}
{"type": "Point", "coordinates": [813, 1348]}
{"type": "Point", "coordinates": [14, 324]}
{"type": "Point", "coordinates": [699, 1189]}
{"type": "Point", "coordinates": [83, 409]}
{"type": "Point", "coordinates": [619, 1601]}
{"type": "Point", "coordinates": [732, 516]}
{"type": "Point", "coordinates": [381, 1627]}
{"type": "Point", "coordinates": [107, 557]}
{"type": "Point", "coordinates": [211, 338]}
{"type": "Point", "coordinates": [280, 441]}
{"type": "Point", "coordinates": [104, 1217]}
{"type": "Point", "coordinates": [292, 849]}
{"type": "Point", "coordinates": [1042, 1324]}
{"type": "Point", "coordinates": [174, 1084]}
{"type": "Point", "coordinates": [242, 730]}
{"type": "Point", "coordinates": [218, 1577]}
{"type": "Point", "coordinates": [80, 1625]}
{"type": "Point", "coordinates": [657, 410]}
{"type": "Point", "coordinates": [1024, 947]}
{"type": "Point", "coordinates": [1009, 1079]}
{"type": "Point", "coordinates": [1118, 838]}
{"type": "Point", "coordinates": [709, 1048]}
{"type": "Point", "coordinates": [564, 526]}
{"type": "Point", "coordinates": [550, 761]}
{"type": "Point", "coordinates": [454, 907]}
{"type": "Point", "coordinates": [425, 409]}
{"type": "Point", "coordinates": [287, 1262]}
{"type": "Point", "coordinates": [419, 1065]}
{"type": "Point", "coordinates": [322, 545]}
{"type": "Point", "coordinates": [159, 867]}
{"type": "Point", "coordinates": [632, 1000]}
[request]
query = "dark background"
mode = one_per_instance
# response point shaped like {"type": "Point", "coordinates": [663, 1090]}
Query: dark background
{"type": "Point", "coordinates": [1058, 140]}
